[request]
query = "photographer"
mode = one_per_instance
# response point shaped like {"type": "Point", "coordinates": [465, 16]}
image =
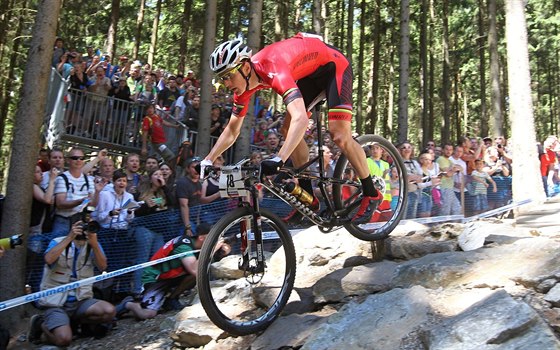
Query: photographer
{"type": "Point", "coordinates": [70, 258]}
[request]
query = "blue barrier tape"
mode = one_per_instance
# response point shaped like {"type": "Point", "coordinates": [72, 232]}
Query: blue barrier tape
{"type": "Point", "coordinates": [8, 304]}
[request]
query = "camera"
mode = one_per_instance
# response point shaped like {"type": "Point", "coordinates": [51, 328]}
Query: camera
{"type": "Point", "coordinates": [11, 242]}
{"type": "Point", "coordinates": [88, 225]}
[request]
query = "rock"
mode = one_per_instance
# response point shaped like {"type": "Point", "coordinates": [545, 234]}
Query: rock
{"type": "Point", "coordinates": [474, 235]}
{"type": "Point", "coordinates": [358, 280]}
{"type": "Point", "coordinates": [519, 327]}
{"type": "Point", "coordinates": [546, 285]}
{"type": "Point", "coordinates": [380, 322]}
{"type": "Point", "coordinates": [196, 331]}
{"type": "Point", "coordinates": [416, 246]}
{"type": "Point", "coordinates": [553, 295]}
{"type": "Point", "coordinates": [552, 316]}
{"type": "Point", "coordinates": [290, 331]}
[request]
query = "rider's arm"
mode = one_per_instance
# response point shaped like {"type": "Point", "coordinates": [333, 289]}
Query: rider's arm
{"type": "Point", "coordinates": [228, 137]}
{"type": "Point", "coordinates": [298, 126]}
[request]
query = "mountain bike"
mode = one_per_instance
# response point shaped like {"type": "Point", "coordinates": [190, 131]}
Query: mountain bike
{"type": "Point", "coordinates": [259, 244]}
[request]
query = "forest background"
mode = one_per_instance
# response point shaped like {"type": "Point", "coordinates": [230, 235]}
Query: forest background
{"type": "Point", "coordinates": [423, 70]}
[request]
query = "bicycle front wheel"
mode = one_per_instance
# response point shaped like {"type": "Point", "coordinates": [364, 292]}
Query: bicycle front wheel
{"type": "Point", "coordinates": [391, 182]}
{"type": "Point", "coordinates": [239, 295]}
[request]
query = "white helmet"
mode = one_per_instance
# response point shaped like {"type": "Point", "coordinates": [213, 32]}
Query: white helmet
{"type": "Point", "coordinates": [229, 55]}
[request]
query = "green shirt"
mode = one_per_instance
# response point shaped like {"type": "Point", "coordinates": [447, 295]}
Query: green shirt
{"type": "Point", "coordinates": [167, 269]}
{"type": "Point", "coordinates": [444, 164]}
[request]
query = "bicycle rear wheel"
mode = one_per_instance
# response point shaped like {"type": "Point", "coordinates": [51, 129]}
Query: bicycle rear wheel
{"type": "Point", "coordinates": [347, 195]}
{"type": "Point", "coordinates": [239, 298]}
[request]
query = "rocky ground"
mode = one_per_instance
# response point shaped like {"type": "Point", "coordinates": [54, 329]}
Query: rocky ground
{"type": "Point", "coordinates": [488, 284]}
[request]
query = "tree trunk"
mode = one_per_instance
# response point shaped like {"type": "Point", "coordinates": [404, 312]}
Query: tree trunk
{"type": "Point", "coordinates": [227, 19]}
{"type": "Point", "coordinates": [154, 38]}
{"type": "Point", "coordinates": [527, 182]}
{"type": "Point", "coordinates": [138, 33]}
{"type": "Point", "coordinates": [446, 87]}
{"type": "Point", "coordinates": [243, 144]}
{"type": "Point", "coordinates": [29, 118]}
{"type": "Point", "coordinates": [350, 31]}
{"type": "Point", "coordinates": [482, 69]}
{"type": "Point", "coordinates": [297, 15]}
{"type": "Point", "coordinates": [403, 71]}
{"type": "Point", "coordinates": [496, 122]}
{"type": "Point", "coordinates": [203, 139]}
{"type": "Point", "coordinates": [360, 99]}
{"type": "Point", "coordinates": [316, 17]}
{"type": "Point", "coordinates": [11, 84]}
{"type": "Point", "coordinates": [113, 28]}
{"type": "Point", "coordinates": [374, 76]}
{"type": "Point", "coordinates": [424, 72]}
{"type": "Point", "coordinates": [185, 20]}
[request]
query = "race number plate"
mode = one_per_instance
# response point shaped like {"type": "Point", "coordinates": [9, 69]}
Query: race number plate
{"type": "Point", "coordinates": [231, 182]}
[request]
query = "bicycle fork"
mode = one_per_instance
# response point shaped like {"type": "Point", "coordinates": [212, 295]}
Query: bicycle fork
{"type": "Point", "coordinates": [252, 262]}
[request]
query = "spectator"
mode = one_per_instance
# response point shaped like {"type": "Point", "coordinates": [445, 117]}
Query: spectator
{"type": "Point", "coordinates": [256, 158]}
{"type": "Point", "coordinates": [414, 177]}
{"type": "Point", "coordinates": [395, 186]}
{"type": "Point", "coordinates": [181, 107]}
{"type": "Point", "coordinates": [169, 94]}
{"type": "Point", "coordinates": [96, 105]}
{"type": "Point", "coordinates": [216, 121]}
{"type": "Point", "coordinates": [43, 161]}
{"type": "Point", "coordinates": [74, 189]}
{"type": "Point", "coordinates": [58, 51]}
{"type": "Point", "coordinates": [479, 185]}
{"type": "Point", "coordinates": [167, 172]}
{"type": "Point", "coordinates": [40, 205]}
{"type": "Point", "coordinates": [152, 128]}
{"type": "Point", "coordinates": [111, 211]}
{"type": "Point", "coordinates": [272, 143]}
{"type": "Point", "coordinates": [470, 153]}
{"type": "Point", "coordinates": [210, 192]}
{"type": "Point", "coordinates": [157, 197]}
{"type": "Point", "coordinates": [56, 160]}
{"type": "Point", "coordinates": [133, 178]}
{"type": "Point", "coordinates": [78, 83]}
{"type": "Point", "coordinates": [450, 205]}
{"type": "Point", "coordinates": [151, 164]}
{"type": "Point", "coordinates": [379, 171]}
{"type": "Point", "coordinates": [460, 178]}
{"type": "Point", "coordinates": [189, 191]}
{"type": "Point", "coordinates": [430, 180]}
{"type": "Point", "coordinates": [430, 145]}
{"type": "Point", "coordinates": [106, 170]}
{"type": "Point", "coordinates": [548, 161]}
{"type": "Point", "coordinates": [121, 112]}
{"type": "Point", "coordinates": [192, 113]}
{"type": "Point", "coordinates": [503, 151]}
{"type": "Point", "coordinates": [172, 277]}
{"type": "Point", "coordinates": [259, 138]}
{"type": "Point", "coordinates": [67, 61]}
{"type": "Point", "coordinates": [70, 258]}
{"type": "Point", "coordinates": [135, 78]}
{"type": "Point", "coordinates": [498, 169]}
{"type": "Point", "coordinates": [145, 95]}
{"type": "Point", "coordinates": [190, 76]}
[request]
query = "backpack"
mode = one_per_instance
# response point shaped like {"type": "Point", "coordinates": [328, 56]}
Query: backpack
{"type": "Point", "coordinates": [50, 212]}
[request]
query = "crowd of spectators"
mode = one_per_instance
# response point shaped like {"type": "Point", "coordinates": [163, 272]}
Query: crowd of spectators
{"type": "Point", "coordinates": [468, 177]}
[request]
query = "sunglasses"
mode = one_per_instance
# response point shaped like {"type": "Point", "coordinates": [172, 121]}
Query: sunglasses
{"type": "Point", "coordinates": [77, 157]}
{"type": "Point", "coordinates": [227, 75]}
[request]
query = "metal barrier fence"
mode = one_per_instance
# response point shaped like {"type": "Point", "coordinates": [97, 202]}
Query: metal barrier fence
{"type": "Point", "coordinates": [137, 243]}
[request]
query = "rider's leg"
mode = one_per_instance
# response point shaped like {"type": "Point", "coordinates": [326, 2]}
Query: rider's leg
{"type": "Point", "coordinates": [341, 134]}
{"type": "Point", "coordinates": [300, 155]}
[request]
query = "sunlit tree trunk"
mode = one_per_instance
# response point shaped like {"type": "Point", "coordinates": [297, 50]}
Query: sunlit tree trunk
{"type": "Point", "coordinates": [29, 117]}
{"type": "Point", "coordinates": [527, 182]}
{"type": "Point", "coordinates": [424, 84]}
{"type": "Point", "coordinates": [496, 95]}
{"type": "Point", "coordinates": [316, 17]}
{"type": "Point", "coordinates": [402, 133]}
{"type": "Point", "coordinates": [446, 87]}
{"type": "Point", "coordinates": [154, 38]}
{"type": "Point", "coordinates": [482, 68]}
{"type": "Point", "coordinates": [138, 32]}
{"type": "Point", "coordinates": [209, 42]}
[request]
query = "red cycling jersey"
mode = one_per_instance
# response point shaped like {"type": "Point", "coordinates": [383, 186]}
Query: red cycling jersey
{"type": "Point", "coordinates": [285, 67]}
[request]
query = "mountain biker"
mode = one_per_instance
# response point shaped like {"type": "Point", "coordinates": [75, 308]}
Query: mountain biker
{"type": "Point", "coordinates": [299, 69]}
